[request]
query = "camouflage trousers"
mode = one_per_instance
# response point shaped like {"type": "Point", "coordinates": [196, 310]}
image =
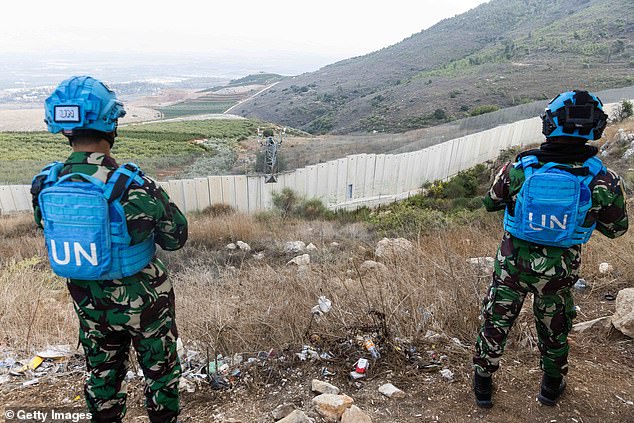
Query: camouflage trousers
{"type": "Point", "coordinates": [114, 315]}
{"type": "Point", "coordinates": [549, 276]}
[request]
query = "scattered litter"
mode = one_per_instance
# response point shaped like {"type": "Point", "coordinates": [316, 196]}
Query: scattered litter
{"type": "Point", "coordinates": [361, 365]}
{"type": "Point", "coordinates": [306, 353]}
{"type": "Point", "coordinates": [33, 364]}
{"type": "Point", "coordinates": [129, 375]}
{"type": "Point", "coordinates": [325, 372]}
{"type": "Point", "coordinates": [624, 401]}
{"type": "Point", "coordinates": [369, 345]}
{"type": "Point", "coordinates": [58, 352]}
{"type": "Point", "coordinates": [30, 382]}
{"type": "Point", "coordinates": [231, 246]}
{"type": "Point", "coordinates": [447, 374]}
{"type": "Point", "coordinates": [326, 356]}
{"type": "Point", "coordinates": [457, 342]}
{"type": "Point", "coordinates": [324, 304]}
{"type": "Point", "coordinates": [609, 296]}
{"type": "Point", "coordinates": [356, 375]}
{"type": "Point", "coordinates": [581, 285]}
{"type": "Point", "coordinates": [218, 382]}
{"type": "Point", "coordinates": [605, 268]}
{"type": "Point", "coordinates": [186, 385]}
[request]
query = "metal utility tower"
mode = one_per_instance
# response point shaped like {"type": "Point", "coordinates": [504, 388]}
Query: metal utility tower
{"type": "Point", "coordinates": [270, 147]}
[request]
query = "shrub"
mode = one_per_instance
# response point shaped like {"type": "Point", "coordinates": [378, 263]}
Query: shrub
{"type": "Point", "coordinates": [285, 201]}
{"type": "Point", "coordinates": [485, 108]}
{"type": "Point", "coordinates": [311, 209]}
{"type": "Point", "coordinates": [289, 204]}
{"type": "Point", "coordinates": [623, 111]}
{"type": "Point", "coordinates": [440, 114]}
{"type": "Point", "coordinates": [216, 210]}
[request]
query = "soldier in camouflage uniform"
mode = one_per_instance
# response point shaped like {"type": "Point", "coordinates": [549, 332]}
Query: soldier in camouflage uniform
{"type": "Point", "coordinates": [548, 272]}
{"type": "Point", "coordinates": [137, 310]}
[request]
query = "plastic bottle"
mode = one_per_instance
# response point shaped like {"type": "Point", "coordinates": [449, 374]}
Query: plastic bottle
{"type": "Point", "coordinates": [369, 345]}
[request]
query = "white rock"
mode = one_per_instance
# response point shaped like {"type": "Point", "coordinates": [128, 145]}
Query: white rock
{"type": "Point", "coordinates": [296, 416]}
{"type": "Point", "coordinates": [231, 246]}
{"type": "Point", "coordinates": [294, 247]}
{"type": "Point", "coordinates": [243, 246]}
{"type": "Point", "coordinates": [311, 247]}
{"type": "Point", "coordinates": [322, 387]}
{"type": "Point", "coordinates": [391, 391]}
{"type": "Point", "coordinates": [334, 244]}
{"type": "Point", "coordinates": [483, 264]}
{"type": "Point", "coordinates": [331, 406]}
{"type": "Point", "coordinates": [393, 247]}
{"type": "Point", "coordinates": [623, 318]}
{"type": "Point", "coordinates": [605, 267]}
{"type": "Point", "coordinates": [282, 411]}
{"type": "Point", "coordinates": [355, 415]}
{"type": "Point", "coordinates": [371, 265]}
{"type": "Point", "coordinates": [302, 260]}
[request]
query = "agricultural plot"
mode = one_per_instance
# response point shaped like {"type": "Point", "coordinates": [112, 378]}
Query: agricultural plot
{"type": "Point", "coordinates": [208, 103]}
{"type": "Point", "coordinates": [155, 147]}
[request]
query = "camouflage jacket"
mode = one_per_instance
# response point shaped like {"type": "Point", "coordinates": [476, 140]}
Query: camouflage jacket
{"type": "Point", "coordinates": [608, 204]}
{"type": "Point", "coordinates": [148, 209]}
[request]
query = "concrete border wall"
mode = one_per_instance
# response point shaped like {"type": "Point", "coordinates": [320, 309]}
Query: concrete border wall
{"type": "Point", "coordinates": [350, 182]}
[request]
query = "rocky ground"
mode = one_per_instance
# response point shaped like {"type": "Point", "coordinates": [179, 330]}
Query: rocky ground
{"type": "Point", "coordinates": [433, 373]}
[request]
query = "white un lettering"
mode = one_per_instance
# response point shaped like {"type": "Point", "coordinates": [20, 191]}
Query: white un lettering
{"type": "Point", "coordinates": [552, 220]}
{"type": "Point", "coordinates": [79, 253]}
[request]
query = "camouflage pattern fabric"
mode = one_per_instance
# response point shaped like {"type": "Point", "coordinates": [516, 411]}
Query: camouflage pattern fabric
{"type": "Point", "coordinates": [547, 272]}
{"type": "Point", "coordinates": [137, 310]}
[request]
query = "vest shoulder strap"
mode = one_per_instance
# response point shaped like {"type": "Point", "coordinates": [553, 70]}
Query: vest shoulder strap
{"type": "Point", "coordinates": [121, 180]}
{"type": "Point", "coordinates": [595, 166]}
{"type": "Point", "coordinates": [527, 163]}
{"type": "Point", "coordinates": [47, 176]}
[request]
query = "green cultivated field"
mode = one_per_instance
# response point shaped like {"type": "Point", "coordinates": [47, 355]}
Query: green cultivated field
{"type": "Point", "coordinates": [155, 147]}
{"type": "Point", "coordinates": [190, 108]}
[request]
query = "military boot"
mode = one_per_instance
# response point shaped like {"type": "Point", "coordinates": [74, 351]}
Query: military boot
{"type": "Point", "coordinates": [482, 387]}
{"type": "Point", "coordinates": [551, 389]}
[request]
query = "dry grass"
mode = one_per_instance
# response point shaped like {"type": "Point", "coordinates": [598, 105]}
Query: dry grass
{"type": "Point", "coordinates": [232, 302]}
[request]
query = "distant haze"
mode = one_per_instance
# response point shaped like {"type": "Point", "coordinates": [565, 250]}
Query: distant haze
{"type": "Point", "coordinates": [288, 37]}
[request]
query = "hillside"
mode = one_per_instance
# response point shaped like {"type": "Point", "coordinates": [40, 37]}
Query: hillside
{"type": "Point", "coordinates": [502, 53]}
{"type": "Point", "coordinates": [256, 308]}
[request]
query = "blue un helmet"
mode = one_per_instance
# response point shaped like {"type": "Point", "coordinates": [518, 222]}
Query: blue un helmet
{"type": "Point", "coordinates": [577, 114]}
{"type": "Point", "coordinates": [82, 103]}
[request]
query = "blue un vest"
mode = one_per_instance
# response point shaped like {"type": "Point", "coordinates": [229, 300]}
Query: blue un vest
{"type": "Point", "coordinates": [552, 204]}
{"type": "Point", "coordinates": [85, 228]}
